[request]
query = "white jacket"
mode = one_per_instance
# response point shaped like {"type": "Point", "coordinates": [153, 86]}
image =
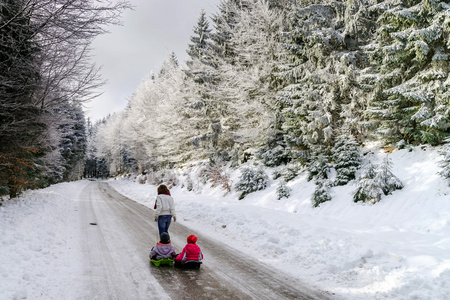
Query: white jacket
{"type": "Point", "coordinates": [164, 205]}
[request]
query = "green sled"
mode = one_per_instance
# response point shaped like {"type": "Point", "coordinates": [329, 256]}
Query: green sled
{"type": "Point", "coordinates": [162, 261]}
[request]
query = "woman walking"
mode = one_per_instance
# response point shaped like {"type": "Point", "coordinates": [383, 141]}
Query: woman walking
{"type": "Point", "coordinates": [164, 209]}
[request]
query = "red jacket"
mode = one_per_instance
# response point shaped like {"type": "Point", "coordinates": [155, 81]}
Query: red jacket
{"type": "Point", "coordinates": [190, 252]}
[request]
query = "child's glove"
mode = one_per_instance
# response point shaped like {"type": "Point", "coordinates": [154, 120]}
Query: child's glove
{"type": "Point", "coordinates": [156, 218]}
{"type": "Point", "coordinates": [174, 218]}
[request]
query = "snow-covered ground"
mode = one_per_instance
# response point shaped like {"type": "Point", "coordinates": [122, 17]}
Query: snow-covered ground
{"type": "Point", "coordinates": [40, 244]}
{"type": "Point", "coordinates": [398, 248]}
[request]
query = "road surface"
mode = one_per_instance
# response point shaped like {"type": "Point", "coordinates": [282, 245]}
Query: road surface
{"type": "Point", "coordinates": [117, 235]}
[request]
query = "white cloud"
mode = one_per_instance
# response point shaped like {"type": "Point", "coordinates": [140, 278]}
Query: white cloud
{"type": "Point", "coordinates": [150, 32]}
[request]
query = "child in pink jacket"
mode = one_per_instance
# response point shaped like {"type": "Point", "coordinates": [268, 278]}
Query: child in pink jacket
{"type": "Point", "coordinates": [191, 254]}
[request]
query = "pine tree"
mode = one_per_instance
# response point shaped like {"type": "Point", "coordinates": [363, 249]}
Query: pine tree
{"type": "Point", "coordinates": [283, 191]}
{"type": "Point", "coordinates": [200, 64]}
{"type": "Point", "coordinates": [369, 185]}
{"type": "Point", "coordinates": [248, 83]}
{"type": "Point", "coordinates": [273, 151]}
{"type": "Point", "coordinates": [73, 143]}
{"type": "Point", "coordinates": [410, 97]}
{"type": "Point", "coordinates": [387, 180]}
{"type": "Point", "coordinates": [318, 167]}
{"type": "Point", "coordinates": [445, 163]}
{"type": "Point", "coordinates": [96, 166]}
{"type": "Point", "coordinates": [322, 192]}
{"type": "Point", "coordinates": [346, 158]}
{"type": "Point", "coordinates": [224, 22]}
{"type": "Point", "coordinates": [251, 180]}
{"type": "Point", "coordinates": [322, 95]}
{"type": "Point", "coordinates": [152, 137]}
{"type": "Point", "coordinates": [203, 107]}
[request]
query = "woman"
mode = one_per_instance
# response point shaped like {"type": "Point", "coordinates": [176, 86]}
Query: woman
{"type": "Point", "coordinates": [164, 209]}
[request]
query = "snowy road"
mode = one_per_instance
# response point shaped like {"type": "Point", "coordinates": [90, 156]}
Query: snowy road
{"type": "Point", "coordinates": [116, 258]}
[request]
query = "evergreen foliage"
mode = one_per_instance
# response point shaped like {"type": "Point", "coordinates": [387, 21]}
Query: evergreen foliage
{"type": "Point", "coordinates": [73, 143]}
{"type": "Point", "coordinates": [200, 64]}
{"type": "Point", "coordinates": [410, 97]}
{"type": "Point", "coordinates": [376, 181]}
{"type": "Point", "coordinates": [322, 192]}
{"type": "Point", "coordinates": [369, 187]}
{"type": "Point", "coordinates": [251, 180]}
{"type": "Point", "coordinates": [289, 173]}
{"type": "Point", "coordinates": [321, 94]}
{"type": "Point", "coordinates": [346, 158]}
{"type": "Point", "coordinates": [204, 110]}
{"type": "Point", "coordinates": [319, 167]}
{"type": "Point", "coordinates": [445, 163]}
{"type": "Point", "coordinates": [283, 191]}
{"type": "Point", "coordinates": [224, 22]}
{"type": "Point", "coordinates": [293, 81]}
{"type": "Point", "coordinates": [273, 152]}
{"type": "Point", "coordinates": [388, 181]}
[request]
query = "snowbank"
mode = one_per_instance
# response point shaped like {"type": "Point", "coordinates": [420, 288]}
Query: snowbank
{"type": "Point", "coordinates": [40, 244]}
{"type": "Point", "coordinates": [398, 248]}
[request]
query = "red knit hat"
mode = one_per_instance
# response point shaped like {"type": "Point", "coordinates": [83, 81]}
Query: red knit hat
{"type": "Point", "coordinates": [192, 239]}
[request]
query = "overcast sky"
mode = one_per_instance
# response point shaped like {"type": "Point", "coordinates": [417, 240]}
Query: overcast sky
{"type": "Point", "coordinates": [130, 52]}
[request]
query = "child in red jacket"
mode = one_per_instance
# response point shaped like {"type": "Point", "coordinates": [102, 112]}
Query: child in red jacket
{"type": "Point", "coordinates": [191, 256]}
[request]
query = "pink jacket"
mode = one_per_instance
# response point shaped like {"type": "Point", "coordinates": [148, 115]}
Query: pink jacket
{"type": "Point", "coordinates": [190, 252]}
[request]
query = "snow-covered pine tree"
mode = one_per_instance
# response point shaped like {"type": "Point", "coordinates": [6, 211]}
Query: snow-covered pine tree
{"type": "Point", "coordinates": [204, 107]}
{"type": "Point", "coordinates": [318, 167]}
{"type": "Point", "coordinates": [283, 191]}
{"type": "Point", "coordinates": [346, 158]}
{"type": "Point", "coordinates": [176, 126]}
{"type": "Point", "coordinates": [141, 130]}
{"type": "Point", "coordinates": [321, 94]}
{"type": "Point", "coordinates": [273, 151]}
{"type": "Point", "coordinates": [409, 74]}
{"type": "Point", "coordinates": [251, 180]}
{"type": "Point", "coordinates": [167, 66]}
{"type": "Point", "coordinates": [322, 192]}
{"type": "Point", "coordinates": [369, 185]}
{"type": "Point", "coordinates": [110, 143]}
{"type": "Point", "coordinates": [95, 167]}
{"type": "Point", "coordinates": [200, 65]}
{"type": "Point", "coordinates": [156, 123]}
{"type": "Point", "coordinates": [302, 93]}
{"type": "Point", "coordinates": [223, 22]}
{"type": "Point", "coordinates": [386, 179]}
{"type": "Point", "coordinates": [445, 163]}
{"type": "Point", "coordinates": [73, 142]}
{"type": "Point", "coordinates": [248, 83]}
{"type": "Point", "coordinates": [90, 161]}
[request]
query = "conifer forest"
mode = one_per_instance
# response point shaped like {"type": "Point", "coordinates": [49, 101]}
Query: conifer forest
{"type": "Point", "coordinates": [299, 85]}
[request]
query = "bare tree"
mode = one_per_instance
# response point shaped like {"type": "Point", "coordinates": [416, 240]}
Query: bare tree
{"type": "Point", "coordinates": [44, 64]}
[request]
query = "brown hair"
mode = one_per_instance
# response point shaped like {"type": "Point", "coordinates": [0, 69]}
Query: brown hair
{"type": "Point", "coordinates": [162, 189]}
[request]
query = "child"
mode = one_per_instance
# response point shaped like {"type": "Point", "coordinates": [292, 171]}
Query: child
{"type": "Point", "coordinates": [191, 256]}
{"type": "Point", "coordinates": [164, 249]}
